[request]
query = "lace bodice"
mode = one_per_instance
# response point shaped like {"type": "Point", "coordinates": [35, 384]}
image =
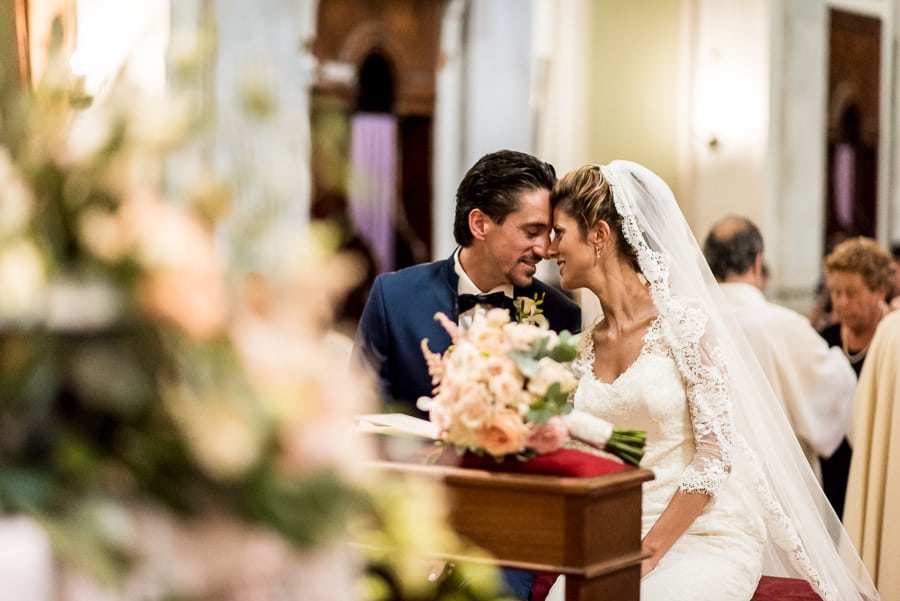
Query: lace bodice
{"type": "Point", "coordinates": [688, 429]}
{"type": "Point", "coordinates": [665, 396]}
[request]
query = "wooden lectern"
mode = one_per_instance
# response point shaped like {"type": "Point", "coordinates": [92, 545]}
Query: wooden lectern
{"type": "Point", "coordinates": [586, 528]}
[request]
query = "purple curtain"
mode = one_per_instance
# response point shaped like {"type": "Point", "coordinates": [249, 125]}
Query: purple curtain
{"type": "Point", "coordinates": [844, 184]}
{"type": "Point", "coordinates": [373, 182]}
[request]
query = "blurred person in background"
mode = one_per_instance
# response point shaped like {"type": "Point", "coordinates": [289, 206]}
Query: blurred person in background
{"type": "Point", "coordinates": [858, 277]}
{"type": "Point", "coordinates": [821, 315]}
{"type": "Point", "coordinates": [894, 299]}
{"type": "Point", "coordinates": [331, 207]}
{"type": "Point", "coordinates": [872, 510]}
{"type": "Point", "coordinates": [812, 380]}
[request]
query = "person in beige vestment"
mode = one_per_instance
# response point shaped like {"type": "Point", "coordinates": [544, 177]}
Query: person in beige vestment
{"type": "Point", "coordinates": [872, 510]}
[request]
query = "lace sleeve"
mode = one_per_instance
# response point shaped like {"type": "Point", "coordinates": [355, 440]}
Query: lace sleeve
{"type": "Point", "coordinates": [709, 403]}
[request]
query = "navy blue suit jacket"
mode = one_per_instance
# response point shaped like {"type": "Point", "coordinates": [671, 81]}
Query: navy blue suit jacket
{"type": "Point", "coordinates": [400, 311]}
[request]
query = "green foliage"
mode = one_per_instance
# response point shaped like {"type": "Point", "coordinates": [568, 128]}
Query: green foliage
{"type": "Point", "coordinates": [555, 402]}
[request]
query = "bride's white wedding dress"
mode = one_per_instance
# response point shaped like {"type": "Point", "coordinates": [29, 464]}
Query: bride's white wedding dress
{"type": "Point", "coordinates": [720, 556]}
{"type": "Point", "coordinates": [713, 424]}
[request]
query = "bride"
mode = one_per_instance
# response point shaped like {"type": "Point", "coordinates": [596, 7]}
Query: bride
{"type": "Point", "coordinates": [733, 497]}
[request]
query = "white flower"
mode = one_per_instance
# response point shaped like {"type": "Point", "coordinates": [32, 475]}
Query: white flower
{"type": "Point", "coordinates": [224, 436]}
{"type": "Point", "coordinates": [103, 234]}
{"type": "Point", "coordinates": [90, 133]}
{"type": "Point", "coordinates": [548, 373]}
{"type": "Point", "coordinates": [16, 202]}
{"type": "Point", "coordinates": [520, 336]}
{"type": "Point", "coordinates": [497, 318]}
{"type": "Point", "coordinates": [529, 311]}
{"type": "Point", "coordinates": [23, 280]}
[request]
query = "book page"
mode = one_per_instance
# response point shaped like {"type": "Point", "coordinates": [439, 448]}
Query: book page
{"type": "Point", "coordinates": [397, 424]}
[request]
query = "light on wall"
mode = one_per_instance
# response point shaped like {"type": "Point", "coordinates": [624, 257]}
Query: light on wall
{"type": "Point", "coordinates": [709, 114]}
{"type": "Point", "coordinates": [728, 111]}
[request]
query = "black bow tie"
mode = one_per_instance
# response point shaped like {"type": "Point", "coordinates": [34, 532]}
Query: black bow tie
{"type": "Point", "coordinates": [494, 299]}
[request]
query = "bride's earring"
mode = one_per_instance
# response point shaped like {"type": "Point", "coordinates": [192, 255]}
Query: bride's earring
{"type": "Point", "coordinates": [597, 252]}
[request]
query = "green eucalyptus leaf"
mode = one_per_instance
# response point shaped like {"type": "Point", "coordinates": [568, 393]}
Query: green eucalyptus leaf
{"type": "Point", "coordinates": [555, 396]}
{"type": "Point", "coordinates": [541, 415]}
{"type": "Point", "coordinates": [563, 353]}
{"type": "Point", "coordinates": [526, 363]}
{"type": "Point", "coordinates": [539, 348]}
{"type": "Point", "coordinates": [23, 490]}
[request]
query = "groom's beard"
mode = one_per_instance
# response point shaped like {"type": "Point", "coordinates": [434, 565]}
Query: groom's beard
{"type": "Point", "coordinates": [522, 273]}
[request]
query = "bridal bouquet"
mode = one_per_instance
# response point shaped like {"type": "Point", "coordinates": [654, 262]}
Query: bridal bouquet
{"type": "Point", "coordinates": [502, 388]}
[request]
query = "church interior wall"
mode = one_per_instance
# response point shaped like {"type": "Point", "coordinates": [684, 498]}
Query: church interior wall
{"type": "Point", "coordinates": [635, 99]}
{"type": "Point", "coordinates": [725, 99]}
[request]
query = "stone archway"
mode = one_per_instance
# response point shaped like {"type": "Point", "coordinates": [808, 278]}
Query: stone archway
{"type": "Point", "coordinates": [402, 36]}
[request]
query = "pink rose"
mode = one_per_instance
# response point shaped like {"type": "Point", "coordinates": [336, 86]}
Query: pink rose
{"type": "Point", "coordinates": [545, 438]}
{"type": "Point", "coordinates": [504, 434]}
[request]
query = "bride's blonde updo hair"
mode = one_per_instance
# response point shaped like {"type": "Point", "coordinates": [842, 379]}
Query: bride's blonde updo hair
{"type": "Point", "coordinates": [586, 196]}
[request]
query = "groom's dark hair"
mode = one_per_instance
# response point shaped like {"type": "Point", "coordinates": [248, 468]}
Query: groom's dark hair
{"type": "Point", "coordinates": [493, 185]}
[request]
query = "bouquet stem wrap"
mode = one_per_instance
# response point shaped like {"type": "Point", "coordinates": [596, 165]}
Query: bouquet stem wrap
{"type": "Point", "coordinates": [628, 445]}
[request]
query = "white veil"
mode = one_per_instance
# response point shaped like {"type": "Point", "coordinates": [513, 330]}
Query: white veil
{"type": "Point", "coordinates": [805, 537]}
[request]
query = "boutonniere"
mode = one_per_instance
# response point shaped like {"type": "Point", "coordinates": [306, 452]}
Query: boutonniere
{"type": "Point", "coordinates": [530, 310]}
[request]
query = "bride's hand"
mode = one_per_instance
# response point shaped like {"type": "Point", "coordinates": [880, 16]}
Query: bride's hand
{"type": "Point", "coordinates": [649, 562]}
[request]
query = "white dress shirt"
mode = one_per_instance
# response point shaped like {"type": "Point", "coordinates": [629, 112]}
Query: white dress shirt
{"type": "Point", "coordinates": [467, 286]}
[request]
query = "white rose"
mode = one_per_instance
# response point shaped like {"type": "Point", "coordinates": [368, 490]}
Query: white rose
{"type": "Point", "coordinates": [520, 336]}
{"type": "Point", "coordinates": [549, 372]}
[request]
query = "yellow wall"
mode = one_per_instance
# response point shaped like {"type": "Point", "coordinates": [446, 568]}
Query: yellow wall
{"type": "Point", "coordinates": [635, 97]}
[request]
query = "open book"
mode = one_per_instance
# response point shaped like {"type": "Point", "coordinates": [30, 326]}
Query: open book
{"type": "Point", "coordinates": [397, 424]}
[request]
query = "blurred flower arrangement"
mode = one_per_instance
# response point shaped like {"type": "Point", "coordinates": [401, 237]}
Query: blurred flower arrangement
{"type": "Point", "coordinates": [141, 369]}
{"type": "Point", "coordinates": [502, 388]}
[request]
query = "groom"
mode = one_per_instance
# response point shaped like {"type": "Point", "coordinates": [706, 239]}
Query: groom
{"type": "Point", "coordinates": [502, 225]}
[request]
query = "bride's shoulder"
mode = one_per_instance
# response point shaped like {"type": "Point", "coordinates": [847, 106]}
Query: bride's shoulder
{"type": "Point", "coordinates": [687, 316]}
{"type": "Point", "coordinates": [681, 303]}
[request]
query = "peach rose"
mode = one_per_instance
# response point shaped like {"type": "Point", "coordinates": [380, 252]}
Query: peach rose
{"type": "Point", "coordinates": [491, 341]}
{"type": "Point", "coordinates": [504, 434]}
{"type": "Point", "coordinates": [506, 386]}
{"type": "Point", "coordinates": [195, 302]}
